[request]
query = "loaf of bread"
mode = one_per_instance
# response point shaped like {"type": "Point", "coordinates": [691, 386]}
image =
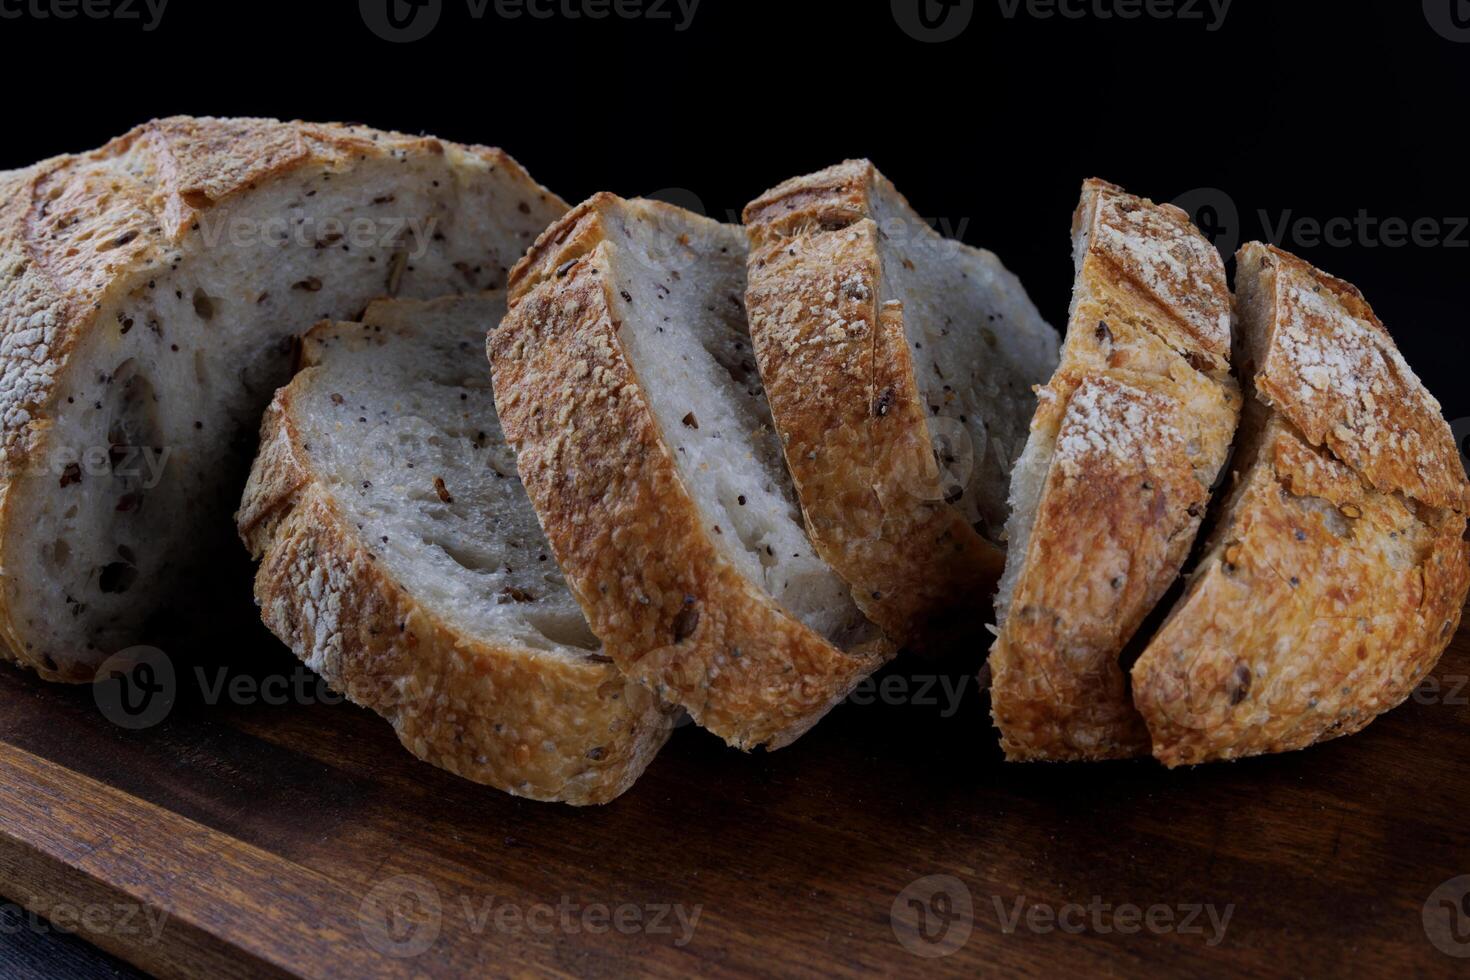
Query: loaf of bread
{"type": "Point", "coordinates": [149, 295]}
{"type": "Point", "coordinates": [899, 366]}
{"type": "Point", "coordinates": [626, 383]}
{"type": "Point", "coordinates": [1338, 568]}
{"type": "Point", "coordinates": [689, 508]}
{"type": "Point", "coordinates": [1130, 434]}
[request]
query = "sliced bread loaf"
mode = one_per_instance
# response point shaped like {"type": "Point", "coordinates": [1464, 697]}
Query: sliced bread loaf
{"type": "Point", "coordinates": [626, 384]}
{"type": "Point", "coordinates": [401, 560]}
{"type": "Point", "coordinates": [1338, 569]}
{"type": "Point", "coordinates": [899, 366]}
{"type": "Point", "coordinates": [149, 294]}
{"type": "Point", "coordinates": [1130, 435]}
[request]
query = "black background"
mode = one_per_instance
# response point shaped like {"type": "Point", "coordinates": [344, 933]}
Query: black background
{"type": "Point", "coordinates": [1318, 110]}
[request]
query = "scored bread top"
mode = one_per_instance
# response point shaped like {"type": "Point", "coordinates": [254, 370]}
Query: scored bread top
{"type": "Point", "coordinates": [401, 560]}
{"type": "Point", "coordinates": [1331, 368]}
{"type": "Point", "coordinates": [838, 196]}
{"type": "Point", "coordinates": [664, 583]}
{"type": "Point", "coordinates": [899, 366]}
{"type": "Point", "coordinates": [1130, 435]}
{"type": "Point", "coordinates": [1156, 253]}
{"type": "Point", "coordinates": [1338, 568]}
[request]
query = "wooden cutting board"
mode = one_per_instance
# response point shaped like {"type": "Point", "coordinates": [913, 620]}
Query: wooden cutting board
{"type": "Point", "coordinates": [237, 838]}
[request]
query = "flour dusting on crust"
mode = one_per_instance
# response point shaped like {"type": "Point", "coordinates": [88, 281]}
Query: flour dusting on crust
{"type": "Point", "coordinates": [1091, 430]}
{"type": "Point", "coordinates": [1159, 248]}
{"type": "Point", "coordinates": [1332, 369]}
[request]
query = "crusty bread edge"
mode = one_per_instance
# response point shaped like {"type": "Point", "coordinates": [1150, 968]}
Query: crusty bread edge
{"type": "Point", "coordinates": [1037, 714]}
{"type": "Point", "coordinates": [1179, 737]}
{"type": "Point", "coordinates": [388, 653]}
{"type": "Point", "coordinates": [672, 610]}
{"type": "Point", "coordinates": [849, 411]}
{"type": "Point", "coordinates": [1445, 486]}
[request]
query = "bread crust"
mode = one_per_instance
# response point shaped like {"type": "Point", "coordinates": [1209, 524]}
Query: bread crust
{"type": "Point", "coordinates": [671, 609]}
{"type": "Point", "coordinates": [536, 725]}
{"type": "Point", "coordinates": [1332, 369]}
{"type": "Point", "coordinates": [78, 231]}
{"type": "Point", "coordinates": [839, 374]}
{"type": "Point", "coordinates": [1141, 413]}
{"type": "Point", "coordinates": [1339, 570]}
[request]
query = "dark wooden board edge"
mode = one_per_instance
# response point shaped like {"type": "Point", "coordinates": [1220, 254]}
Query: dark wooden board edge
{"type": "Point", "coordinates": [66, 841]}
{"type": "Point", "coordinates": [798, 854]}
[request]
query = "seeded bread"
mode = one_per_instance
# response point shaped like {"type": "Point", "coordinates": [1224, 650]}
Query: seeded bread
{"type": "Point", "coordinates": [149, 292]}
{"type": "Point", "coordinates": [1338, 569]}
{"type": "Point", "coordinates": [1130, 435]}
{"type": "Point", "coordinates": [401, 560]}
{"type": "Point", "coordinates": [625, 382]}
{"type": "Point", "coordinates": [899, 366]}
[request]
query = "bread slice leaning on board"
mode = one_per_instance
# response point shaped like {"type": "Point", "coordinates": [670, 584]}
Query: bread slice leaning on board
{"type": "Point", "coordinates": [1130, 435]}
{"type": "Point", "coordinates": [401, 560]}
{"type": "Point", "coordinates": [899, 366]}
{"type": "Point", "coordinates": [1338, 570]}
{"type": "Point", "coordinates": [150, 292]}
{"type": "Point", "coordinates": [626, 383]}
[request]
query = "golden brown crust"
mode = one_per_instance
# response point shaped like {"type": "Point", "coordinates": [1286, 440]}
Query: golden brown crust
{"type": "Point", "coordinates": [1153, 255]}
{"type": "Point", "coordinates": [833, 198]}
{"type": "Point", "coordinates": [1140, 414]}
{"type": "Point", "coordinates": [1332, 369]}
{"type": "Point", "coordinates": [78, 230]}
{"type": "Point", "coordinates": [530, 723]}
{"type": "Point", "coordinates": [1333, 583]}
{"type": "Point", "coordinates": [1304, 623]}
{"type": "Point", "coordinates": [839, 375]}
{"type": "Point", "coordinates": [671, 609]}
{"type": "Point", "coordinates": [1117, 515]}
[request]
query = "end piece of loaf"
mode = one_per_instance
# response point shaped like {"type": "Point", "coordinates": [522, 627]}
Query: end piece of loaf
{"type": "Point", "coordinates": [1338, 568]}
{"type": "Point", "coordinates": [1130, 435]}
{"type": "Point", "coordinates": [150, 292]}
{"type": "Point", "coordinates": [899, 366]}
{"type": "Point", "coordinates": [626, 383]}
{"type": "Point", "coordinates": [401, 560]}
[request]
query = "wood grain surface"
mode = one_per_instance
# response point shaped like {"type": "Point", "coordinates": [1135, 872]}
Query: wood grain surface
{"type": "Point", "coordinates": [297, 838]}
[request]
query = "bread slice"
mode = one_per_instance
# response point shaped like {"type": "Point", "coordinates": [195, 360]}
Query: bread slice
{"type": "Point", "coordinates": [401, 560]}
{"type": "Point", "coordinates": [1107, 498]}
{"type": "Point", "coordinates": [900, 367]}
{"type": "Point", "coordinates": [149, 294]}
{"type": "Point", "coordinates": [625, 381]}
{"type": "Point", "coordinates": [1338, 569]}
